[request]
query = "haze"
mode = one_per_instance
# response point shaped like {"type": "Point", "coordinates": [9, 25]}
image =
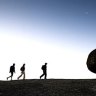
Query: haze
{"type": "Point", "coordinates": [59, 32]}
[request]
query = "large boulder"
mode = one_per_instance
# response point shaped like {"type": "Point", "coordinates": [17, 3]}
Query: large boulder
{"type": "Point", "coordinates": [91, 61]}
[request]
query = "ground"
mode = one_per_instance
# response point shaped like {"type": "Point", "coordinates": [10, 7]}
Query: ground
{"type": "Point", "coordinates": [49, 87]}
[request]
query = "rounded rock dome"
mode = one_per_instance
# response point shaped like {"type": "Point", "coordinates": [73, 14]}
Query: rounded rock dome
{"type": "Point", "coordinates": [91, 61]}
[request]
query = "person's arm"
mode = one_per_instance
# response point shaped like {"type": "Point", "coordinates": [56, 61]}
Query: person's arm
{"type": "Point", "coordinates": [9, 69]}
{"type": "Point", "coordinates": [14, 69]}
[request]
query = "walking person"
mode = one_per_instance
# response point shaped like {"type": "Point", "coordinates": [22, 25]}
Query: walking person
{"type": "Point", "coordinates": [44, 68]}
{"type": "Point", "coordinates": [12, 70]}
{"type": "Point", "coordinates": [22, 72]}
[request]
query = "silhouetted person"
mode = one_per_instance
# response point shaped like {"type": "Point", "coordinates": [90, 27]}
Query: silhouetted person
{"type": "Point", "coordinates": [44, 68]}
{"type": "Point", "coordinates": [22, 72]}
{"type": "Point", "coordinates": [12, 70]}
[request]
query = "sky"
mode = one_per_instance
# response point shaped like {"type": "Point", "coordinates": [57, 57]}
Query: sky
{"type": "Point", "coordinates": [59, 32]}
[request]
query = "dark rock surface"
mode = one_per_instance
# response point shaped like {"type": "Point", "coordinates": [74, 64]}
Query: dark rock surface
{"type": "Point", "coordinates": [91, 61]}
{"type": "Point", "coordinates": [49, 87]}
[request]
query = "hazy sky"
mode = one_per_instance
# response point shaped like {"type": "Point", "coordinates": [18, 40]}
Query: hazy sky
{"type": "Point", "coordinates": [59, 32]}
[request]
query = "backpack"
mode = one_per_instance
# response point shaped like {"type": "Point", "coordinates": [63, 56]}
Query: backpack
{"type": "Point", "coordinates": [21, 68]}
{"type": "Point", "coordinates": [42, 67]}
{"type": "Point", "coordinates": [12, 69]}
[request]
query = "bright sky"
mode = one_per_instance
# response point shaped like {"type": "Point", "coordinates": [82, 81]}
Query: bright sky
{"type": "Point", "coordinates": [59, 32]}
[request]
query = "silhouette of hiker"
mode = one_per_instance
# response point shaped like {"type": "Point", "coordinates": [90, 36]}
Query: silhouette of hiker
{"type": "Point", "coordinates": [12, 70]}
{"type": "Point", "coordinates": [44, 68]}
{"type": "Point", "coordinates": [22, 72]}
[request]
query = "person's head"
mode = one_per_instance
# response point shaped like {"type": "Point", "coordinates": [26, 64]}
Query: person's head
{"type": "Point", "coordinates": [24, 64]}
{"type": "Point", "coordinates": [13, 64]}
{"type": "Point", "coordinates": [45, 63]}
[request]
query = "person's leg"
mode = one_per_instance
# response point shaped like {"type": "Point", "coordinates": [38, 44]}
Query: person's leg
{"type": "Point", "coordinates": [11, 75]}
{"type": "Point", "coordinates": [41, 75]}
{"type": "Point", "coordinates": [20, 75]}
{"type": "Point", "coordinates": [8, 77]}
{"type": "Point", "coordinates": [23, 75]}
{"type": "Point", "coordinates": [45, 74]}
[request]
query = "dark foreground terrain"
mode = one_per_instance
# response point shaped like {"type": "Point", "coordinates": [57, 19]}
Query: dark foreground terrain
{"type": "Point", "coordinates": [50, 87]}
